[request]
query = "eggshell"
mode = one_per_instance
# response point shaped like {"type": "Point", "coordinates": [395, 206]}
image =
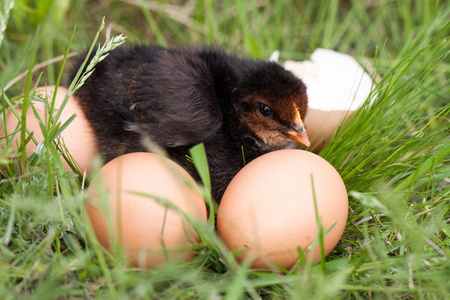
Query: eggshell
{"type": "Point", "coordinates": [337, 86]}
{"type": "Point", "coordinates": [322, 125]}
{"type": "Point", "coordinates": [78, 136]}
{"type": "Point", "coordinates": [149, 232]}
{"type": "Point", "coordinates": [268, 208]}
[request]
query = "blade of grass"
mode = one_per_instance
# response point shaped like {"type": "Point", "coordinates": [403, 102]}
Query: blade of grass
{"type": "Point", "coordinates": [5, 9]}
{"type": "Point", "coordinates": [26, 103]}
{"type": "Point", "coordinates": [442, 153]}
{"type": "Point", "coordinates": [199, 159]}
{"type": "Point", "coordinates": [58, 80]}
{"type": "Point", "coordinates": [153, 25]}
{"type": "Point", "coordinates": [319, 228]}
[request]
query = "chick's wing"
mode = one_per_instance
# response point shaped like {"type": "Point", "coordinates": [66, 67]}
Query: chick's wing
{"type": "Point", "coordinates": [173, 101]}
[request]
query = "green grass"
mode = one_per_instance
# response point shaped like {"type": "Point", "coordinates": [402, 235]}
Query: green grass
{"type": "Point", "coordinates": [394, 156]}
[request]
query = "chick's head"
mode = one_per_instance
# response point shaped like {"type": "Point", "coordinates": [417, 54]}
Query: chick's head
{"type": "Point", "coordinates": [274, 106]}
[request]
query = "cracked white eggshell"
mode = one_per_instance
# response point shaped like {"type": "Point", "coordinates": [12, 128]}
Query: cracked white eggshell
{"type": "Point", "coordinates": [336, 87]}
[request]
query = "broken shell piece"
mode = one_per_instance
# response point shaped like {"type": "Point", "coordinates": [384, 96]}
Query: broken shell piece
{"type": "Point", "coordinates": [336, 86]}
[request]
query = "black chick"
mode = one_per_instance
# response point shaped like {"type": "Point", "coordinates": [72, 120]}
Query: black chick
{"type": "Point", "coordinates": [179, 98]}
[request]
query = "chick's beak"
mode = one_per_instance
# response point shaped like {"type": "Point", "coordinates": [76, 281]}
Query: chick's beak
{"type": "Point", "coordinates": [297, 132]}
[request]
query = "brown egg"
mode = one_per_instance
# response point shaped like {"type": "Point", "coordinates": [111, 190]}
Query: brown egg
{"type": "Point", "coordinates": [78, 136]}
{"type": "Point", "coordinates": [149, 232]}
{"type": "Point", "coordinates": [322, 125]}
{"type": "Point", "coordinates": [268, 208]}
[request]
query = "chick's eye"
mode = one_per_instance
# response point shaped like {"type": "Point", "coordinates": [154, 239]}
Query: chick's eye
{"type": "Point", "coordinates": [264, 110]}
